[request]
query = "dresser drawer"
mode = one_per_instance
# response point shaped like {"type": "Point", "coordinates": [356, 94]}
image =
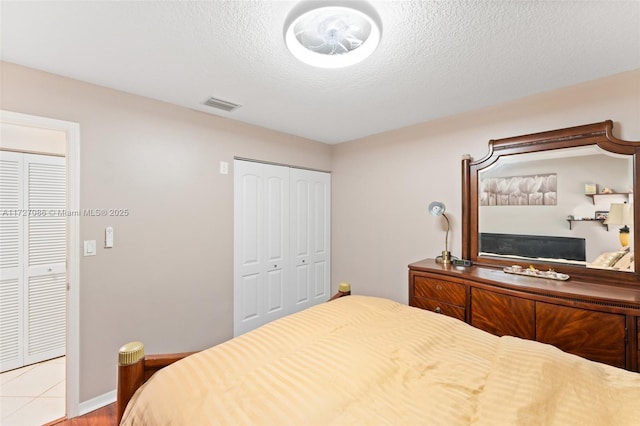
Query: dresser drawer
{"type": "Point", "coordinates": [598, 336]}
{"type": "Point", "coordinates": [445, 291]}
{"type": "Point", "coordinates": [439, 307]}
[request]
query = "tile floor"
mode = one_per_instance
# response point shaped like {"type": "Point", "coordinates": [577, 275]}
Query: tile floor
{"type": "Point", "coordinates": [33, 395]}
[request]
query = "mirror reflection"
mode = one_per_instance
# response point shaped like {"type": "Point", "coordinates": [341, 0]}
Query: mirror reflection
{"type": "Point", "coordinates": [572, 205]}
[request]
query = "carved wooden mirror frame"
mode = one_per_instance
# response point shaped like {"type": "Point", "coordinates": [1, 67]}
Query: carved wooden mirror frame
{"type": "Point", "coordinates": [599, 134]}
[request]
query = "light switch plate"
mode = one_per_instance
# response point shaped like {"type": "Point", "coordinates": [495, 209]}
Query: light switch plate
{"type": "Point", "coordinates": [224, 168]}
{"type": "Point", "coordinates": [89, 247]}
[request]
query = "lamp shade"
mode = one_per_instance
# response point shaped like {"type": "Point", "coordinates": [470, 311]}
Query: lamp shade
{"type": "Point", "coordinates": [436, 208]}
{"type": "Point", "coordinates": [620, 214]}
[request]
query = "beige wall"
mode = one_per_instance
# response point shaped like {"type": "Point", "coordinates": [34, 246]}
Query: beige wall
{"type": "Point", "coordinates": [169, 279]}
{"type": "Point", "coordinates": [14, 137]}
{"type": "Point", "coordinates": [383, 184]}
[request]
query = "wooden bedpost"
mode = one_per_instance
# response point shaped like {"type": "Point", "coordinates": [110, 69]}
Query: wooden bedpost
{"type": "Point", "coordinates": [130, 374]}
{"type": "Point", "coordinates": [344, 289]}
{"type": "Point", "coordinates": [134, 369]}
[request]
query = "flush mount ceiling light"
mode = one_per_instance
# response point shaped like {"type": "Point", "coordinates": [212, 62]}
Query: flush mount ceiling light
{"type": "Point", "coordinates": [330, 34]}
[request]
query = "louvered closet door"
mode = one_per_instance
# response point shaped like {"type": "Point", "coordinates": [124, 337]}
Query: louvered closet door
{"type": "Point", "coordinates": [310, 238]}
{"type": "Point", "coordinates": [11, 262]}
{"type": "Point", "coordinates": [32, 265]}
{"type": "Point", "coordinates": [45, 274]}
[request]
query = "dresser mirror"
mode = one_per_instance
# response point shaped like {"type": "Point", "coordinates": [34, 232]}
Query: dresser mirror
{"type": "Point", "coordinates": [544, 200]}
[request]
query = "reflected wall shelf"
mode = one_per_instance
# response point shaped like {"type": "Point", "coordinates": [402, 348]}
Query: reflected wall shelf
{"type": "Point", "coordinates": [588, 220]}
{"type": "Point", "coordinates": [593, 196]}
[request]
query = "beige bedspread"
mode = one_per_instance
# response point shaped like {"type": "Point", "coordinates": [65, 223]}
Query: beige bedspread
{"type": "Point", "coordinates": [362, 361]}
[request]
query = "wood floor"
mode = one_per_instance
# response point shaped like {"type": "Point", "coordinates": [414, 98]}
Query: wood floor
{"type": "Point", "coordinates": [105, 416]}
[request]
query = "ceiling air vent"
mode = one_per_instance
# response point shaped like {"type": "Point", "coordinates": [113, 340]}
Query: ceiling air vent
{"type": "Point", "coordinates": [220, 104]}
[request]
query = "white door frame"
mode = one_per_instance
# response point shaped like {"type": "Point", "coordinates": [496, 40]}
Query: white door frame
{"type": "Point", "coordinates": [72, 132]}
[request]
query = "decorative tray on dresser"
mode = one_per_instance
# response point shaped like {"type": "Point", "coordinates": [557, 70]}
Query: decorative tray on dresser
{"type": "Point", "coordinates": [536, 273]}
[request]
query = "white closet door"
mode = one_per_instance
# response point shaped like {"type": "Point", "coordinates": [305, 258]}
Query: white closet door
{"type": "Point", "coordinates": [11, 261]}
{"type": "Point", "coordinates": [33, 258]}
{"type": "Point", "coordinates": [261, 259]}
{"type": "Point", "coordinates": [45, 274]}
{"type": "Point", "coordinates": [310, 238]}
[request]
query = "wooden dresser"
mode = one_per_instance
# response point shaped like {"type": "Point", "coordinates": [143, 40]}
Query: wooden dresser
{"type": "Point", "coordinates": [595, 321]}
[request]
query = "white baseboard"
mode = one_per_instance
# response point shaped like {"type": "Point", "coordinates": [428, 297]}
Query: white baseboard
{"type": "Point", "coordinates": [97, 402]}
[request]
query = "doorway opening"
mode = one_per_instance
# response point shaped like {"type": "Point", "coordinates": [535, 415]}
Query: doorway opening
{"type": "Point", "coordinates": [69, 363]}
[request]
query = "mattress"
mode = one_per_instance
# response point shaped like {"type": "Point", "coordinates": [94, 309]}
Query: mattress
{"type": "Point", "coordinates": [365, 360]}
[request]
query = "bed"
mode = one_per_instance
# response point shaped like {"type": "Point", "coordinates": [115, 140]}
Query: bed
{"type": "Point", "coordinates": [368, 360]}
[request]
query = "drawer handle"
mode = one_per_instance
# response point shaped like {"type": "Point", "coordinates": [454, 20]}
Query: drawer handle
{"type": "Point", "coordinates": [437, 310]}
{"type": "Point", "coordinates": [438, 287]}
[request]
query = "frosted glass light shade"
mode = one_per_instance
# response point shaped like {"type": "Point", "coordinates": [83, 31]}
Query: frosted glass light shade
{"type": "Point", "coordinates": [332, 34]}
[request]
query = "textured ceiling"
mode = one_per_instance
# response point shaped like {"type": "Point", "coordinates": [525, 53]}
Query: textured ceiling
{"type": "Point", "coordinates": [436, 58]}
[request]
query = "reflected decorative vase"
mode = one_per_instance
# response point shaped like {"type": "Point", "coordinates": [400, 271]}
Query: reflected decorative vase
{"type": "Point", "coordinates": [624, 236]}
